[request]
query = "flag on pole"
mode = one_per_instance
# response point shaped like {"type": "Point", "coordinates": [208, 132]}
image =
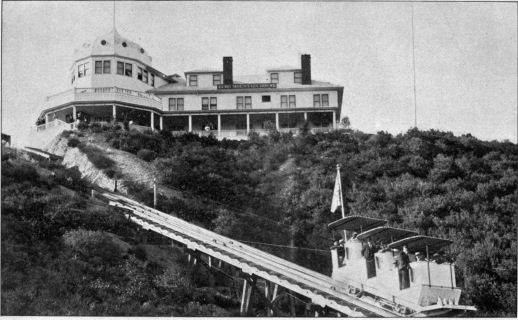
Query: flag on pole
{"type": "Point", "coordinates": [337, 197]}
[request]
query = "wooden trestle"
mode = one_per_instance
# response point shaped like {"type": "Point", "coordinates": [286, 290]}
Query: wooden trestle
{"type": "Point", "coordinates": [253, 263]}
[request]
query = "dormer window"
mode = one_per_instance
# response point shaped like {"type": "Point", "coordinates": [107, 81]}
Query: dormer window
{"type": "Point", "coordinates": [193, 81]}
{"type": "Point", "coordinates": [274, 78]}
{"type": "Point", "coordinates": [216, 79]}
{"type": "Point", "coordinates": [297, 77]}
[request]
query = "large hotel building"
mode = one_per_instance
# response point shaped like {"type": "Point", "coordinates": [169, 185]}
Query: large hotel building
{"type": "Point", "coordinates": [113, 78]}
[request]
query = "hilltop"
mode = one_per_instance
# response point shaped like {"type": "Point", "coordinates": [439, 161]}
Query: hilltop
{"type": "Point", "coordinates": [275, 191]}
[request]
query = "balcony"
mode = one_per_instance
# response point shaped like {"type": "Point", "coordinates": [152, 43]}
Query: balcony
{"type": "Point", "coordinates": [103, 94]}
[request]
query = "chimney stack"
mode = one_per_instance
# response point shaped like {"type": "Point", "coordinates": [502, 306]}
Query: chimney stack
{"type": "Point", "coordinates": [306, 68]}
{"type": "Point", "coordinates": [227, 70]}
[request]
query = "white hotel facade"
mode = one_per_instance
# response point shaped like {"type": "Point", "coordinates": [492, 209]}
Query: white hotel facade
{"type": "Point", "coordinates": [113, 78]}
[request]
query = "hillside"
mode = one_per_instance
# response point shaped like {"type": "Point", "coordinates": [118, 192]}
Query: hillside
{"type": "Point", "coordinates": [66, 254]}
{"type": "Point", "coordinates": [274, 192]}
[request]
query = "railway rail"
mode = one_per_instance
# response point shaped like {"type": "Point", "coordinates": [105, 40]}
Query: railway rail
{"type": "Point", "coordinates": [320, 289]}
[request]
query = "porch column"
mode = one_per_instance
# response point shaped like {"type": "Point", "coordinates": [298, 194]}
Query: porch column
{"type": "Point", "coordinates": [153, 121]}
{"type": "Point", "coordinates": [161, 123]}
{"type": "Point", "coordinates": [334, 120]}
{"type": "Point", "coordinates": [190, 123]}
{"type": "Point", "coordinates": [47, 118]}
{"type": "Point", "coordinates": [114, 112]}
{"type": "Point", "coordinates": [247, 123]}
{"type": "Point", "coordinates": [277, 120]}
{"type": "Point", "coordinates": [219, 125]}
{"type": "Point", "coordinates": [305, 116]}
{"type": "Point", "coordinates": [74, 112]}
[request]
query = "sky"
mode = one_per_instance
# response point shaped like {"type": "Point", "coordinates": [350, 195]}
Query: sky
{"type": "Point", "coordinates": [465, 54]}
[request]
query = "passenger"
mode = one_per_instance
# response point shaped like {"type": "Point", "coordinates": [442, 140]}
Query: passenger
{"type": "Point", "coordinates": [419, 256]}
{"type": "Point", "coordinates": [355, 235]}
{"type": "Point", "coordinates": [437, 258]}
{"type": "Point", "coordinates": [403, 265]}
{"type": "Point", "coordinates": [368, 253]}
{"type": "Point", "coordinates": [384, 247]}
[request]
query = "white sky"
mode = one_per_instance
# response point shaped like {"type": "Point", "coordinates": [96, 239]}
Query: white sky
{"type": "Point", "coordinates": [465, 54]}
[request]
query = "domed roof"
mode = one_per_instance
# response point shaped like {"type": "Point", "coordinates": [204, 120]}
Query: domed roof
{"type": "Point", "coordinates": [113, 44]}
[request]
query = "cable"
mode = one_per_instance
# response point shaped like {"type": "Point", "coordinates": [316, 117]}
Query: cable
{"type": "Point", "coordinates": [278, 245]}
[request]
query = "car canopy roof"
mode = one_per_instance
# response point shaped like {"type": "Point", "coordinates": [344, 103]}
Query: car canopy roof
{"type": "Point", "coordinates": [387, 234]}
{"type": "Point", "coordinates": [357, 223]}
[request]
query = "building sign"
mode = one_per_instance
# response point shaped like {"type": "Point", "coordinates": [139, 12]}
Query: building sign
{"type": "Point", "coordinates": [248, 86]}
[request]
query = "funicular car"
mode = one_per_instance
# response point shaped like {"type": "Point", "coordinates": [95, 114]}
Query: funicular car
{"type": "Point", "coordinates": [372, 275]}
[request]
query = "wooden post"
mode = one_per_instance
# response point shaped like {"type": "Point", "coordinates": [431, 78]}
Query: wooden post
{"type": "Point", "coordinates": [292, 304]}
{"type": "Point", "coordinates": [269, 311]}
{"type": "Point", "coordinates": [154, 193]}
{"type": "Point", "coordinates": [245, 298]}
{"type": "Point", "coordinates": [115, 186]}
{"type": "Point", "coordinates": [92, 193]}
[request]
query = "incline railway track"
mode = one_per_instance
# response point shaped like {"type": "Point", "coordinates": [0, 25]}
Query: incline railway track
{"type": "Point", "coordinates": [322, 290]}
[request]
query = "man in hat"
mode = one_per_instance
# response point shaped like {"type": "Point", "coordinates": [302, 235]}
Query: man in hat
{"type": "Point", "coordinates": [403, 265]}
{"type": "Point", "coordinates": [368, 253]}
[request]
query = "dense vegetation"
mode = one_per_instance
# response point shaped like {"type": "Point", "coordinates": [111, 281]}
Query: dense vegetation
{"type": "Point", "coordinates": [277, 190]}
{"type": "Point", "coordinates": [62, 253]}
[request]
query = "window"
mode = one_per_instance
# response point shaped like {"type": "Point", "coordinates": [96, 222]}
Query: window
{"type": "Point", "coordinates": [120, 67]}
{"type": "Point", "coordinates": [128, 69]}
{"type": "Point", "coordinates": [175, 104]}
{"type": "Point", "coordinates": [107, 66]}
{"type": "Point", "coordinates": [316, 100]}
{"type": "Point", "coordinates": [193, 81]}
{"type": "Point", "coordinates": [297, 77]}
{"type": "Point", "coordinates": [216, 79]}
{"type": "Point", "coordinates": [267, 99]}
{"type": "Point", "coordinates": [139, 73]}
{"type": "Point", "coordinates": [98, 67]}
{"type": "Point", "coordinates": [102, 67]}
{"type": "Point", "coordinates": [320, 100]}
{"type": "Point", "coordinates": [274, 78]}
{"type": "Point", "coordinates": [145, 77]}
{"type": "Point", "coordinates": [213, 103]}
{"type": "Point", "coordinates": [292, 102]}
{"type": "Point", "coordinates": [239, 103]}
{"type": "Point", "coordinates": [204, 103]}
{"type": "Point", "coordinates": [152, 80]}
{"type": "Point", "coordinates": [325, 100]}
{"type": "Point", "coordinates": [244, 102]}
{"type": "Point", "coordinates": [82, 69]}
{"type": "Point", "coordinates": [284, 101]}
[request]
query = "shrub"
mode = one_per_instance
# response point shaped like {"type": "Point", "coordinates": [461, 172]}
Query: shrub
{"type": "Point", "coordinates": [73, 142]}
{"type": "Point", "coordinates": [96, 127]}
{"type": "Point", "coordinates": [116, 143]}
{"type": "Point", "coordinates": [96, 157]}
{"type": "Point", "coordinates": [146, 155]}
{"type": "Point", "coordinates": [139, 251]}
{"type": "Point", "coordinates": [82, 126]}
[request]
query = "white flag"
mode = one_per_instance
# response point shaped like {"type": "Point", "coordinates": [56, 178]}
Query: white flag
{"type": "Point", "coordinates": [337, 199]}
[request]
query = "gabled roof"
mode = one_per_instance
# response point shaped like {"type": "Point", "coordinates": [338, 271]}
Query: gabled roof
{"type": "Point", "coordinates": [419, 243]}
{"type": "Point", "coordinates": [387, 234]}
{"type": "Point", "coordinates": [357, 223]}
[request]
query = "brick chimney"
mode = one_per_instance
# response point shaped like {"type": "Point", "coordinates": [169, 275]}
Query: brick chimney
{"type": "Point", "coordinates": [305, 61]}
{"type": "Point", "coordinates": [227, 70]}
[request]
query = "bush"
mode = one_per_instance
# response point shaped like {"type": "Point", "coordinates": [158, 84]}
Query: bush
{"type": "Point", "coordinates": [96, 127]}
{"type": "Point", "coordinates": [82, 126]}
{"type": "Point", "coordinates": [97, 158]}
{"type": "Point", "coordinates": [146, 155]}
{"type": "Point", "coordinates": [139, 252]}
{"type": "Point", "coordinates": [73, 142]}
